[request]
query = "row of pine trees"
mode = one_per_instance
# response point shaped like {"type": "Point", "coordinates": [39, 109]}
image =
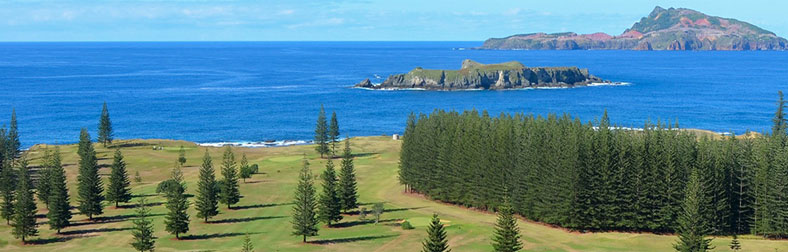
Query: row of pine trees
{"type": "Point", "coordinates": [339, 191]}
{"type": "Point", "coordinates": [18, 188]}
{"type": "Point", "coordinates": [598, 176]}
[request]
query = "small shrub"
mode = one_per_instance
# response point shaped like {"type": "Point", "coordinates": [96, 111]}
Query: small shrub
{"type": "Point", "coordinates": [167, 185]}
{"type": "Point", "coordinates": [377, 210]}
{"type": "Point", "coordinates": [254, 168]}
{"type": "Point", "coordinates": [406, 225]}
{"type": "Point", "coordinates": [362, 214]}
{"type": "Point", "coordinates": [246, 172]}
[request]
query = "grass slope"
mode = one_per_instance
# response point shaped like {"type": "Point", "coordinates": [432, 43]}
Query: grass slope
{"type": "Point", "coordinates": [265, 209]}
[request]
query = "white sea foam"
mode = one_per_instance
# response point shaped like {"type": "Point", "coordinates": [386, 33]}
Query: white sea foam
{"type": "Point", "coordinates": [263, 144]}
{"type": "Point", "coordinates": [609, 84]}
{"type": "Point", "coordinates": [654, 128]}
{"type": "Point", "coordinates": [599, 84]}
{"type": "Point", "coordinates": [254, 88]}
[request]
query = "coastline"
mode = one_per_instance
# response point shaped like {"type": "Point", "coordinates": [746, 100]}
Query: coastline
{"type": "Point", "coordinates": [287, 143]}
{"type": "Point", "coordinates": [594, 84]}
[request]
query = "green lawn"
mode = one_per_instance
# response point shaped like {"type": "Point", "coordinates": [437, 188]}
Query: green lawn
{"type": "Point", "coordinates": [264, 211]}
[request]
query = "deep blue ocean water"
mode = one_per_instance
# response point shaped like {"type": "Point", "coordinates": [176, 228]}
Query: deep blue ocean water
{"type": "Point", "coordinates": [239, 91]}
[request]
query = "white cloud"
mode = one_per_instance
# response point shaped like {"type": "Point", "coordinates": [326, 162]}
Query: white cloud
{"type": "Point", "coordinates": [321, 22]}
{"type": "Point", "coordinates": [512, 12]}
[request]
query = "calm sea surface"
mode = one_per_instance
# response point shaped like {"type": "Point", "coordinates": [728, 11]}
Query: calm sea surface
{"type": "Point", "coordinates": [233, 92]}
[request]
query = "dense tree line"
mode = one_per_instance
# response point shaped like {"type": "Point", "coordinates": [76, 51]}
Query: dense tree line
{"type": "Point", "coordinates": [597, 176]}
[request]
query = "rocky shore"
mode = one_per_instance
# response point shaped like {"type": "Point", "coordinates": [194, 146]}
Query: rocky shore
{"type": "Point", "coordinates": [476, 76]}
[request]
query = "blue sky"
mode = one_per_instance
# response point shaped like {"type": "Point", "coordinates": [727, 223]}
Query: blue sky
{"type": "Point", "coordinates": [275, 20]}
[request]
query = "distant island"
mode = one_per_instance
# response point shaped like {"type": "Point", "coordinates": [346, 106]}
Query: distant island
{"type": "Point", "coordinates": [476, 76]}
{"type": "Point", "coordinates": [664, 29]}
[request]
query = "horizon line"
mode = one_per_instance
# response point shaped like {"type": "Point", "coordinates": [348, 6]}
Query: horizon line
{"type": "Point", "coordinates": [223, 41]}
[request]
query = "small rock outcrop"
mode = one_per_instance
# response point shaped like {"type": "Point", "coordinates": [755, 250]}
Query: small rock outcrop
{"type": "Point", "coordinates": [474, 75]}
{"type": "Point", "coordinates": [365, 84]}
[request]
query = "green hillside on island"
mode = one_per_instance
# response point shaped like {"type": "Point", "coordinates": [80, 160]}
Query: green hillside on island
{"type": "Point", "coordinates": [663, 29]}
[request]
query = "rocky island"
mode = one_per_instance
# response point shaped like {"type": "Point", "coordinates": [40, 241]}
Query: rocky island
{"type": "Point", "coordinates": [664, 29]}
{"type": "Point", "coordinates": [476, 76]}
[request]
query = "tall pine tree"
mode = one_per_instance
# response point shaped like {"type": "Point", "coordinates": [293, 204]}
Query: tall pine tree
{"type": "Point", "coordinates": [182, 156]}
{"type": "Point", "coordinates": [43, 188]}
{"type": "Point", "coordinates": [304, 216]}
{"type": "Point", "coordinates": [436, 237]}
{"type": "Point", "coordinates": [333, 133]}
{"type": "Point", "coordinates": [59, 203]}
{"type": "Point", "coordinates": [246, 171]}
{"type": "Point", "coordinates": [248, 246]}
{"type": "Point", "coordinates": [7, 188]}
{"type": "Point", "coordinates": [507, 233]}
{"type": "Point", "coordinates": [229, 193]}
{"type": "Point", "coordinates": [177, 220]}
{"type": "Point", "coordinates": [176, 175]}
{"type": "Point", "coordinates": [89, 183]}
{"type": "Point", "coordinates": [207, 198]}
{"type": "Point", "coordinates": [330, 207]}
{"type": "Point", "coordinates": [779, 124]}
{"type": "Point", "coordinates": [144, 239]}
{"type": "Point", "coordinates": [105, 127]}
{"type": "Point", "coordinates": [13, 143]}
{"type": "Point", "coordinates": [118, 189]}
{"type": "Point", "coordinates": [691, 230]}
{"type": "Point", "coordinates": [321, 133]}
{"type": "Point", "coordinates": [3, 145]}
{"type": "Point", "coordinates": [347, 180]}
{"type": "Point", "coordinates": [25, 206]}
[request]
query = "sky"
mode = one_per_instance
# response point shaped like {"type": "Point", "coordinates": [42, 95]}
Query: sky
{"type": "Point", "coordinates": [345, 20]}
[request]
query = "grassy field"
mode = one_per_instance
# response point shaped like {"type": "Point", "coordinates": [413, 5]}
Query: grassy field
{"type": "Point", "coordinates": [265, 209]}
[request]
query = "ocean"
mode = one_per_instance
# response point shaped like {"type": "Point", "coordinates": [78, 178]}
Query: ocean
{"type": "Point", "coordinates": [231, 92]}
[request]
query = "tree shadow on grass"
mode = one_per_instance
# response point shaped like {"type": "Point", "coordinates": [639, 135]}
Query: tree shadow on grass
{"type": "Point", "coordinates": [143, 195]}
{"type": "Point", "coordinates": [370, 211]}
{"type": "Point", "coordinates": [350, 239]}
{"type": "Point", "coordinates": [400, 209]}
{"type": "Point", "coordinates": [364, 154]}
{"type": "Point", "coordinates": [94, 230]}
{"type": "Point", "coordinates": [211, 236]}
{"type": "Point", "coordinates": [247, 219]}
{"type": "Point", "coordinates": [135, 205]}
{"type": "Point", "coordinates": [259, 206]}
{"type": "Point", "coordinates": [114, 218]}
{"type": "Point", "coordinates": [109, 219]}
{"type": "Point", "coordinates": [352, 223]}
{"type": "Point", "coordinates": [50, 240]}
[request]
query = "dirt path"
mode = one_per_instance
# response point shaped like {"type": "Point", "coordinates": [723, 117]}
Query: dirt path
{"type": "Point", "coordinates": [394, 245]}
